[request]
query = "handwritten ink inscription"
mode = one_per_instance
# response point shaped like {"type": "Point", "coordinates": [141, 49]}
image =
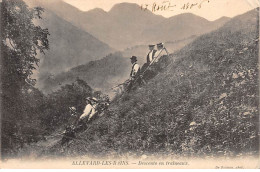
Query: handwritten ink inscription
{"type": "Point", "coordinates": [169, 6]}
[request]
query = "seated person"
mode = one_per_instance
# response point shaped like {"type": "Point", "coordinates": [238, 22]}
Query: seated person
{"type": "Point", "coordinates": [89, 110]}
{"type": "Point", "coordinates": [155, 67]}
{"type": "Point", "coordinates": [161, 51]}
{"type": "Point", "coordinates": [149, 57]}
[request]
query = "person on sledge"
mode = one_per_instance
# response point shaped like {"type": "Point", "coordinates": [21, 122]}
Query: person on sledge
{"type": "Point", "coordinates": [149, 57]}
{"type": "Point", "coordinates": [90, 109]}
{"type": "Point", "coordinates": [161, 51]}
{"type": "Point", "coordinates": [154, 67]}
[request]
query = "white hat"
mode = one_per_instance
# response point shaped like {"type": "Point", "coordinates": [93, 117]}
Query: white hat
{"type": "Point", "coordinates": [95, 99]}
{"type": "Point", "coordinates": [72, 108]}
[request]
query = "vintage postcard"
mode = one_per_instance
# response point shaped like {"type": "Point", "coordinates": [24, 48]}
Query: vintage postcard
{"type": "Point", "coordinates": [130, 84]}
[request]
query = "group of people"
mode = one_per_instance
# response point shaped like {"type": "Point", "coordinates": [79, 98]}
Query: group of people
{"type": "Point", "coordinates": [137, 72]}
{"type": "Point", "coordinates": [94, 106]}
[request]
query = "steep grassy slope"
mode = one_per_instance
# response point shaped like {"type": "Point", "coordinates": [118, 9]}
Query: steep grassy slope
{"type": "Point", "coordinates": [204, 103]}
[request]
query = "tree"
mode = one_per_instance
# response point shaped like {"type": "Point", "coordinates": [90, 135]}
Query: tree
{"type": "Point", "coordinates": [57, 113]}
{"type": "Point", "coordinates": [21, 41]}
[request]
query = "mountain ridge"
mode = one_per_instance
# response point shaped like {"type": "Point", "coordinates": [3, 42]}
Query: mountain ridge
{"type": "Point", "coordinates": [108, 80]}
{"type": "Point", "coordinates": [124, 24]}
{"type": "Point", "coordinates": [69, 47]}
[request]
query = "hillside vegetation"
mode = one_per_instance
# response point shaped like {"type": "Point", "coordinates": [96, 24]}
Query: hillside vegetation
{"type": "Point", "coordinates": [100, 74]}
{"type": "Point", "coordinates": [107, 72]}
{"type": "Point", "coordinates": [204, 103]}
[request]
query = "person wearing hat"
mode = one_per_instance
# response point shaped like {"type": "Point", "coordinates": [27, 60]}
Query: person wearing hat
{"type": "Point", "coordinates": [151, 53]}
{"type": "Point", "coordinates": [161, 51]}
{"type": "Point", "coordinates": [149, 57]}
{"type": "Point", "coordinates": [135, 68]}
{"type": "Point", "coordinates": [89, 110]}
{"type": "Point", "coordinates": [133, 75]}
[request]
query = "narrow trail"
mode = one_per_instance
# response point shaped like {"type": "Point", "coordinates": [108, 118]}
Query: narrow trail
{"type": "Point", "coordinates": [36, 150]}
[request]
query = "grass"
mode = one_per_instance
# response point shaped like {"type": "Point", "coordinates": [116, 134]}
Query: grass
{"type": "Point", "coordinates": [204, 103]}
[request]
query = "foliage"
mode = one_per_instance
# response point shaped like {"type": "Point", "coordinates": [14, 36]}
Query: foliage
{"type": "Point", "coordinates": [57, 113]}
{"type": "Point", "coordinates": [100, 74]}
{"type": "Point", "coordinates": [21, 41]}
{"type": "Point", "coordinates": [28, 114]}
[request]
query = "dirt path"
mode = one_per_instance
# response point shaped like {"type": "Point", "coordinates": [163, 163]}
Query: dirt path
{"type": "Point", "coordinates": [37, 150]}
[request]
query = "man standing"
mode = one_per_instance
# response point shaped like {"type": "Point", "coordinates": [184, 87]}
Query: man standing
{"type": "Point", "coordinates": [135, 68]}
{"type": "Point", "coordinates": [134, 73]}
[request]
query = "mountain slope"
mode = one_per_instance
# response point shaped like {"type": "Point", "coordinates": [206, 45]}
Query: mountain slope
{"type": "Point", "coordinates": [204, 103]}
{"type": "Point", "coordinates": [125, 25]}
{"type": "Point", "coordinates": [141, 50]}
{"type": "Point", "coordinates": [121, 26]}
{"type": "Point", "coordinates": [69, 46]}
{"type": "Point", "coordinates": [221, 21]}
{"type": "Point", "coordinates": [99, 74]}
{"type": "Point", "coordinates": [181, 26]}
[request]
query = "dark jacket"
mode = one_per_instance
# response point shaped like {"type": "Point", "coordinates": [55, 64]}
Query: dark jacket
{"type": "Point", "coordinates": [147, 57]}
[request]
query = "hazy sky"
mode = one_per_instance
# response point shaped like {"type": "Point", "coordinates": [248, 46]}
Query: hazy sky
{"type": "Point", "coordinates": [210, 9]}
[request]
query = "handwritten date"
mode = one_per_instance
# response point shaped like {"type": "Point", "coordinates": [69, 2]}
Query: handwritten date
{"type": "Point", "coordinates": [169, 6]}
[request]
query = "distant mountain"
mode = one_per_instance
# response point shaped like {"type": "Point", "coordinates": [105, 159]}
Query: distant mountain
{"type": "Point", "coordinates": [120, 27]}
{"type": "Point", "coordinates": [221, 21]}
{"type": "Point", "coordinates": [125, 25]}
{"type": "Point", "coordinates": [107, 72]}
{"type": "Point", "coordinates": [181, 26]}
{"type": "Point", "coordinates": [141, 50]}
{"type": "Point", "coordinates": [99, 74]}
{"type": "Point", "coordinates": [243, 22]}
{"type": "Point", "coordinates": [69, 45]}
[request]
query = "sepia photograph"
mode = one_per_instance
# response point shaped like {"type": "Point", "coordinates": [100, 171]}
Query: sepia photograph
{"type": "Point", "coordinates": [129, 84]}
